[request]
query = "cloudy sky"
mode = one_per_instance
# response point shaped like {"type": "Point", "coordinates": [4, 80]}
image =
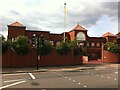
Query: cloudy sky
{"type": "Point", "coordinates": [96, 16]}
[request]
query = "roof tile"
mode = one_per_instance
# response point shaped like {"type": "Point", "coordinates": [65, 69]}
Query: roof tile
{"type": "Point", "coordinates": [17, 24]}
{"type": "Point", "coordinates": [78, 27]}
{"type": "Point", "coordinates": [108, 34]}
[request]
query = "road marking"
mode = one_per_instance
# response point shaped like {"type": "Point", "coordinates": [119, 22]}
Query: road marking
{"type": "Point", "coordinates": [65, 77]}
{"type": "Point", "coordinates": [14, 80]}
{"type": "Point", "coordinates": [43, 89]}
{"type": "Point", "coordinates": [14, 74]}
{"type": "Point", "coordinates": [85, 86]}
{"type": "Point", "coordinates": [96, 69]}
{"type": "Point", "coordinates": [69, 78]}
{"type": "Point", "coordinates": [32, 76]}
{"type": "Point", "coordinates": [108, 77]}
{"type": "Point", "coordinates": [73, 80]}
{"type": "Point", "coordinates": [12, 84]}
{"type": "Point", "coordinates": [116, 72]}
{"type": "Point", "coordinates": [97, 75]}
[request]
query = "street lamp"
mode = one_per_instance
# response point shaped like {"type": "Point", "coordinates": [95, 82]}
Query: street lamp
{"type": "Point", "coordinates": [37, 39]}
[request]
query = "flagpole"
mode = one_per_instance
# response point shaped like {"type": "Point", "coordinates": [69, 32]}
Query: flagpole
{"type": "Point", "coordinates": [64, 20]}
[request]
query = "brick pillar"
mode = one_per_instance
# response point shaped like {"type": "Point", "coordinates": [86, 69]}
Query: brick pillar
{"type": "Point", "coordinates": [102, 52]}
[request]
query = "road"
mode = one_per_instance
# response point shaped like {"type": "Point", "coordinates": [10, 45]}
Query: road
{"type": "Point", "coordinates": [98, 77]}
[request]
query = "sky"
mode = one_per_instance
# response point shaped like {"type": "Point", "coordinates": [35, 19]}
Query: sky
{"type": "Point", "coordinates": [97, 16]}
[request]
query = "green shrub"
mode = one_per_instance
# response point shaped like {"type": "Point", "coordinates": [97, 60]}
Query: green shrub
{"type": "Point", "coordinates": [112, 47]}
{"type": "Point", "coordinates": [45, 49]}
{"type": "Point", "coordinates": [5, 46]}
{"type": "Point", "coordinates": [78, 50]}
{"type": "Point", "coordinates": [63, 48]}
{"type": "Point", "coordinates": [73, 44]}
{"type": "Point", "coordinates": [20, 45]}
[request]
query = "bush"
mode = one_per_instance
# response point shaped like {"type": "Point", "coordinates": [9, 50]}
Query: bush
{"type": "Point", "coordinates": [63, 48]}
{"type": "Point", "coordinates": [45, 49]}
{"type": "Point", "coordinates": [112, 47]}
{"type": "Point", "coordinates": [5, 46]}
{"type": "Point", "coordinates": [78, 50]}
{"type": "Point", "coordinates": [73, 44]}
{"type": "Point", "coordinates": [20, 45]}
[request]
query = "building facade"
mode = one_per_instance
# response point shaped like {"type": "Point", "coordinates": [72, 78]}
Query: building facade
{"type": "Point", "coordinates": [92, 45]}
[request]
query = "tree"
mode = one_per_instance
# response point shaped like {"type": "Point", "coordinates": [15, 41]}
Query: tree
{"type": "Point", "coordinates": [78, 50]}
{"type": "Point", "coordinates": [112, 47]}
{"type": "Point", "coordinates": [20, 45]}
{"type": "Point", "coordinates": [4, 44]}
{"type": "Point", "coordinates": [63, 48]}
{"type": "Point", "coordinates": [44, 48]}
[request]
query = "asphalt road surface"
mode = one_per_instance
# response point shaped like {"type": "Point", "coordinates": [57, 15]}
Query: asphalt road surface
{"type": "Point", "coordinates": [98, 77]}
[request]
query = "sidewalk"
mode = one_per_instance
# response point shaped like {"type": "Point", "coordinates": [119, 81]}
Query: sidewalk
{"type": "Point", "coordinates": [57, 68]}
{"type": "Point", "coordinates": [44, 69]}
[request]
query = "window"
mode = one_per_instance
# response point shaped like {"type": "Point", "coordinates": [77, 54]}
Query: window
{"type": "Point", "coordinates": [52, 42]}
{"type": "Point", "coordinates": [98, 44]}
{"type": "Point", "coordinates": [102, 44]}
{"type": "Point", "coordinates": [58, 43]}
{"type": "Point", "coordinates": [81, 36]}
{"type": "Point", "coordinates": [13, 39]}
{"type": "Point", "coordinates": [92, 44]}
{"type": "Point", "coordinates": [30, 41]}
{"type": "Point", "coordinates": [81, 44]}
{"type": "Point", "coordinates": [88, 44]}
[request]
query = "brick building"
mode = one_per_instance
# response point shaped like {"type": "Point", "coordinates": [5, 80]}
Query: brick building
{"type": "Point", "coordinates": [91, 44]}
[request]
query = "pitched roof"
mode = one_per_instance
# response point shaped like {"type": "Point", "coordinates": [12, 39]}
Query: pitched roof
{"type": "Point", "coordinates": [78, 27]}
{"type": "Point", "coordinates": [17, 24]}
{"type": "Point", "coordinates": [108, 34]}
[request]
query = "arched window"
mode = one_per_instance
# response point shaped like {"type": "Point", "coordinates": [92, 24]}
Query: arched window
{"type": "Point", "coordinates": [88, 44]}
{"type": "Point", "coordinates": [81, 36]}
{"type": "Point", "coordinates": [58, 43]}
{"type": "Point", "coordinates": [98, 44]}
{"type": "Point", "coordinates": [52, 42]}
{"type": "Point", "coordinates": [92, 44]}
{"type": "Point", "coordinates": [81, 44]}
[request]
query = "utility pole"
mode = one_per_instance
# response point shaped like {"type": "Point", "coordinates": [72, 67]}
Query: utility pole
{"type": "Point", "coordinates": [65, 14]}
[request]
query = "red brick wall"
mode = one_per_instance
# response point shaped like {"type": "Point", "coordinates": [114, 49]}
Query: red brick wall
{"type": "Point", "coordinates": [29, 33]}
{"type": "Point", "coordinates": [10, 59]}
{"type": "Point", "coordinates": [14, 32]}
{"type": "Point", "coordinates": [72, 35]}
{"type": "Point", "coordinates": [56, 37]}
{"type": "Point", "coordinates": [111, 39]}
{"type": "Point", "coordinates": [111, 57]}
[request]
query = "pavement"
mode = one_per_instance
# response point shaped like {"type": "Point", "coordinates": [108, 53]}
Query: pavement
{"type": "Point", "coordinates": [57, 68]}
{"type": "Point", "coordinates": [78, 76]}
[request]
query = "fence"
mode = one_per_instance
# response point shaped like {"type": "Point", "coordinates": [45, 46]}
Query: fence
{"type": "Point", "coordinates": [10, 59]}
{"type": "Point", "coordinates": [111, 57]}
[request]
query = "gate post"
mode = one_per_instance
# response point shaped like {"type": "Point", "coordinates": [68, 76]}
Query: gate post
{"type": "Point", "coordinates": [102, 52]}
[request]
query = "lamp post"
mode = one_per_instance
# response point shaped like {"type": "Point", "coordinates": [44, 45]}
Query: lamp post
{"type": "Point", "coordinates": [39, 39]}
